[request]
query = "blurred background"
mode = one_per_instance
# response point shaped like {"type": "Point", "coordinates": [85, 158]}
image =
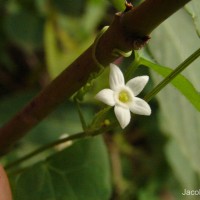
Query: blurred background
{"type": "Point", "coordinates": [157, 157]}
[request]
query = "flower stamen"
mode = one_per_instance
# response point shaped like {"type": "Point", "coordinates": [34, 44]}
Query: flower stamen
{"type": "Point", "coordinates": [124, 97]}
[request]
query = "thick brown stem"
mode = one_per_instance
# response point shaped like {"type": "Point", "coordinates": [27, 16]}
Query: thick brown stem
{"type": "Point", "coordinates": [147, 17]}
{"type": "Point", "coordinates": [125, 30]}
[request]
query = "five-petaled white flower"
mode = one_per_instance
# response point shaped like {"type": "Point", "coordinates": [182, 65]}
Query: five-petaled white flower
{"type": "Point", "coordinates": [123, 96]}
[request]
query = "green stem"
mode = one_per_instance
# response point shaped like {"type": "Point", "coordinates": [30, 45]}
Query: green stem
{"type": "Point", "coordinates": [133, 66]}
{"type": "Point", "coordinates": [57, 142]}
{"type": "Point", "coordinates": [80, 113]}
{"type": "Point", "coordinates": [172, 75]}
{"type": "Point", "coordinates": [43, 148]}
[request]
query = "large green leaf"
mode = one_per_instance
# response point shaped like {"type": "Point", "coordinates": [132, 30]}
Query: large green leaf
{"type": "Point", "coordinates": [182, 169]}
{"type": "Point", "coordinates": [180, 82]}
{"type": "Point", "coordinates": [194, 9]}
{"type": "Point", "coordinates": [171, 44]}
{"type": "Point", "coordinates": [79, 172]}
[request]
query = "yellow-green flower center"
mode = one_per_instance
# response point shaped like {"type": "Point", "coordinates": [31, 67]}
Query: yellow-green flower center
{"type": "Point", "coordinates": [124, 96]}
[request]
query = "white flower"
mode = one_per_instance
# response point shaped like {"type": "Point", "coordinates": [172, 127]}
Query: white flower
{"type": "Point", "coordinates": [123, 96]}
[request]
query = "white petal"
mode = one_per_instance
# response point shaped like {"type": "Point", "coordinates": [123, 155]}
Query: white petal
{"type": "Point", "coordinates": [123, 116]}
{"type": "Point", "coordinates": [140, 107]}
{"type": "Point", "coordinates": [137, 84]}
{"type": "Point", "coordinates": [106, 96]}
{"type": "Point", "coordinates": [116, 77]}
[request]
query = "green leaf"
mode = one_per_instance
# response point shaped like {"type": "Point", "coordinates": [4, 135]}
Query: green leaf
{"type": "Point", "coordinates": [194, 10]}
{"type": "Point", "coordinates": [25, 29]}
{"type": "Point", "coordinates": [79, 172]}
{"type": "Point", "coordinates": [171, 44]}
{"type": "Point", "coordinates": [180, 82]}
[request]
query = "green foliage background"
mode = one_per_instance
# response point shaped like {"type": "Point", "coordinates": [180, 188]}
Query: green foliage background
{"type": "Point", "coordinates": [155, 158]}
